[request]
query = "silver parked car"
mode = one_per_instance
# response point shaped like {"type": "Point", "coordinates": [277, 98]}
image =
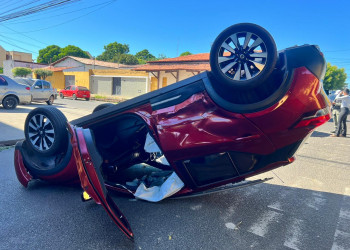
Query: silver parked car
{"type": "Point", "coordinates": [13, 93]}
{"type": "Point", "coordinates": [41, 90]}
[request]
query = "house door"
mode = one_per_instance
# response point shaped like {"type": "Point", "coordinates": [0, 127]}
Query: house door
{"type": "Point", "coordinates": [154, 83]}
{"type": "Point", "coordinates": [69, 80]}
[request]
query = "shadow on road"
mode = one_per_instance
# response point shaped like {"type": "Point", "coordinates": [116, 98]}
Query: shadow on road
{"type": "Point", "coordinates": [320, 134]}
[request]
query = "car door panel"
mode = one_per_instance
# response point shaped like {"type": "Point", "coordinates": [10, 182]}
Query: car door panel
{"type": "Point", "coordinates": [88, 163]}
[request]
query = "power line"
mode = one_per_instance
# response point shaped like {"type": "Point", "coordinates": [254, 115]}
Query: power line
{"type": "Point", "coordinates": [20, 33]}
{"type": "Point", "coordinates": [40, 19]}
{"type": "Point", "coordinates": [73, 19]}
{"type": "Point", "coordinates": [19, 47]}
{"type": "Point", "coordinates": [6, 37]}
{"type": "Point", "coordinates": [34, 9]}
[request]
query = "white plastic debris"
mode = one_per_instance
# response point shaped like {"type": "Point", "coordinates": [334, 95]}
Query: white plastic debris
{"type": "Point", "coordinates": [171, 186]}
{"type": "Point", "coordinates": [150, 145]}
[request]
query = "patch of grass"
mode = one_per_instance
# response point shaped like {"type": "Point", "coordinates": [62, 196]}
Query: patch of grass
{"type": "Point", "coordinates": [113, 99]}
{"type": "Point", "coordinates": [2, 148]}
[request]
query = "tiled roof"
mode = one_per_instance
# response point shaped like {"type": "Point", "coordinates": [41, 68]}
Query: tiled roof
{"type": "Point", "coordinates": [96, 62]}
{"type": "Point", "coordinates": [189, 58]}
{"type": "Point", "coordinates": [172, 67]}
{"type": "Point", "coordinates": [56, 69]}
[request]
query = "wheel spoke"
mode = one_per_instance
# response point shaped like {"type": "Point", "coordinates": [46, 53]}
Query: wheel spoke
{"type": "Point", "coordinates": [45, 144]}
{"type": "Point", "coordinates": [47, 122]}
{"type": "Point", "coordinates": [238, 73]}
{"type": "Point", "coordinates": [50, 131]}
{"type": "Point", "coordinates": [228, 47]}
{"type": "Point", "coordinates": [235, 41]}
{"type": "Point", "coordinates": [41, 144]}
{"type": "Point", "coordinates": [256, 43]}
{"type": "Point", "coordinates": [50, 138]}
{"type": "Point", "coordinates": [35, 140]}
{"type": "Point", "coordinates": [258, 65]}
{"type": "Point", "coordinates": [259, 55]}
{"type": "Point", "coordinates": [222, 59]}
{"type": "Point", "coordinates": [247, 72]}
{"type": "Point", "coordinates": [247, 39]}
{"type": "Point", "coordinates": [32, 134]}
{"type": "Point", "coordinates": [32, 125]}
{"type": "Point", "coordinates": [228, 67]}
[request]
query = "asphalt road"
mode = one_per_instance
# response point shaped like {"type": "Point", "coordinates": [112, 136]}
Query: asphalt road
{"type": "Point", "coordinates": [306, 207]}
{"type": "Point", "coordinates": [12, 121]}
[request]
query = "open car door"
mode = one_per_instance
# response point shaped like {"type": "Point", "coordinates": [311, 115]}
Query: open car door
{"type": "Point", "coordinates": [88, 162]}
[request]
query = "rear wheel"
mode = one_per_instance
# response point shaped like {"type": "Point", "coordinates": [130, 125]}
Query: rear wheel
{"type": "Point", "coordinates": [45, 130]}
{"type": "Point", "coordinates": [88, 99]}
{"type": "Point", "coordinates": [74, 96]}
{"type": "Point", "coordinates": [10, 102]}
{"type": "Point", "coordinates": [61, 96]}
{"type": "Point", "coordinates": [51, 100]}
{"type": "Point", "coordinates": [243, 56]}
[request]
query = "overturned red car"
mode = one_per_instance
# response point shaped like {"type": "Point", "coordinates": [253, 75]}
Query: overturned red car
{"type": "Point", "coordinates": [208, 133]}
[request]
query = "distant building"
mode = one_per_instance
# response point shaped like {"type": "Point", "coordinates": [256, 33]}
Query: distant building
{"type": "Point", "coordinates": [10, 64]}
{"type": "Point", "coordinates": [170, 70]}
{"type": "Point", "coordinates": [14, 55]}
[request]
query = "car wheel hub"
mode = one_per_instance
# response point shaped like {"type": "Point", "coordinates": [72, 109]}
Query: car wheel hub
{"type": "Point", "coordinates": [41, 132]}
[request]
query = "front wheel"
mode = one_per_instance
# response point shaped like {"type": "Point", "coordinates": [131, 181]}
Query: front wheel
{"type": "Point", "coordinates": [74, 97]}
{"type": "Point", "coordinates": [45, 130]}
{"type": "Point", "coordinates": [9, 102]}
{"type": "Point", "coordinates": [243, 56]}
{"type": "Point", "coordinates": [61, 96]}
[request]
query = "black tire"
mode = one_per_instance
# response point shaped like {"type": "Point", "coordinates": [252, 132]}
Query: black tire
{"type": "Point", "coordinates": [61, 96]}
{"type": "Point", "coordinates": [102, 106]}
{"type": "Point", "coordinates": [51, 100]}
{"type": "Point", "coordinates": [243, 66]}
{"type": "Point", "coordinates": [74, 97]}
{"type": "Point", "coordinates": [10, 102]}
{"type": "Point", "coordinates": [45, 131]}
{"type": "Point", "coordinates": [88, 99]}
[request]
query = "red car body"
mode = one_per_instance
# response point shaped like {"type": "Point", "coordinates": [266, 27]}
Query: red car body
{"type": "Point", "coordinates": [75, 92]}
{"type": "Point", "coordinates": [209, 141]}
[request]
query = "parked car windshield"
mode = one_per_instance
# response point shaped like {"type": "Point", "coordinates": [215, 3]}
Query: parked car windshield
{"type": "Point", "coordinates": [25, 81]}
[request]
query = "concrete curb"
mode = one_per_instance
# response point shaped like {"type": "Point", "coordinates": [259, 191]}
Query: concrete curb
{"type": "Point", "coordinates": [9, 142]}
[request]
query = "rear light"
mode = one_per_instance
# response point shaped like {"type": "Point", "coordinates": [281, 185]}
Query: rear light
{"type": "Point", "coordinates": [27, 88]}
{"type": "Point", "coordinates": [320, 117]}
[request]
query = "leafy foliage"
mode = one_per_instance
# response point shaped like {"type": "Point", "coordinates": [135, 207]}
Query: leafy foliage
{"type": "Point", "coordinates": [72, 50]}
{"type": "Point", "coordinates": [113, 51]}
{"type": "Point", "coordinates": [162, 56]}
{"type": "Point", "coordinates": [43, 73]}
{"type": "Point", "coordinates": [1, 70]}
{"type": "Point", "coordinates": [49, 54]}
{"type": "Point", "coordinates": [53, 53]}
{"type": "Point", "coordinates": [334, 78]}
{"type": "Point", "coordinates": [20, 71]}
{"type": "Point", "coordinates": [128, 59]}
{"type": "Point", "coordinates": [186, 53]}
{"type": "Point", "coordinates": [144, 56]}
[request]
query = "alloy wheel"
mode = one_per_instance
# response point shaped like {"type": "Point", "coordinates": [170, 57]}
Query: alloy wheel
{"type": "Point", "coordinates": [242, 56]}
{"type": "Point", "coordinates": [41, 132]}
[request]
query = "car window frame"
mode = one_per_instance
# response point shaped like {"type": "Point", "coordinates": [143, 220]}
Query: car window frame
{"type": "Point", "coordinates": [37, 83]}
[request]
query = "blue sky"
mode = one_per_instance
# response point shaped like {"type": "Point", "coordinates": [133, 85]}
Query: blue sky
{"type": "Point", "coordinates": [172, 27]}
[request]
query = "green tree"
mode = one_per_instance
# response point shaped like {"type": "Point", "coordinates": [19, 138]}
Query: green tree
{"type": "Point", "coordinates": [72, 50]}
{"type": "Point", "coordinates": [112, 51]}
{"type": "Point", "coordinates": [162, 56]}
{"type": "Point", "coordinates": [144, 56]}
{"type": "Point", "coordinates": [1, 70]}
{"type": "Point", "coordinates": [334, 78]}
{"type": "Point", "coordinates": [187, 53]}
{"type": "Point", "coordinates": [20, 71]}
{"type": "Point", "coordinates": [49, 54]}
{"type": "Point", "coordinates": [43, 73]}
{"type": "Point", "coordinates": [128, 59]}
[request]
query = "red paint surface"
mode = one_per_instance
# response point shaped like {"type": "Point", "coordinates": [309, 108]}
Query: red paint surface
{"type": "Point", "coordinates": [22, 175]}
{"type": "Point", "coordinates": [91, 184]}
